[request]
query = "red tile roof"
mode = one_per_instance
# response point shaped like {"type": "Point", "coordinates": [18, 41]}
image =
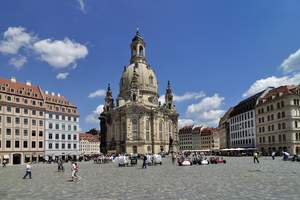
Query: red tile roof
{"type": "Point", "coordinates": [88, 137]}
{"type": "Point", "coordinates": [22, 89]}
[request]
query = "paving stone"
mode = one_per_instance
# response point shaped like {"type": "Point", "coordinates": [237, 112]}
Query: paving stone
{"type": "Point", "coordinates": [236, 180]}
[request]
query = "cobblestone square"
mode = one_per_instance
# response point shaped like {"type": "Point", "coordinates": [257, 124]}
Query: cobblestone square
{"type": "Point", "coordinates": [238, 179]}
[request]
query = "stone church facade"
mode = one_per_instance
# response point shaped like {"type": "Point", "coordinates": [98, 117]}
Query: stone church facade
{"type": "Point", "coordinates": [137, 122]}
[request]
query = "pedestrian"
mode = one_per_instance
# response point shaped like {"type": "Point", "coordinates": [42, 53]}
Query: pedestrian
{"type": "Point", "coordinates": [145, 162]}
{"type": "Point", "coordinates": [75, 170]}
{"type": "Point", "coordinates": [255, 157]}
{"type": "Point", "coordinates": [273, 155]}
{"type": "Point", "coordinates": [4, 163]}
{"type": "Point", "coordinates": [28, 171]}
{"type": "Point", "coordinates": [173, 158]}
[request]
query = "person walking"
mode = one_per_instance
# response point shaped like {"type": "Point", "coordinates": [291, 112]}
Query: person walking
{"type": "Point", "coordinates": [4, 163]}
{"type": "Point", "coordinates": [75, 170]}
{"type": "Point", "coordinates": [255, 157]}
{"type": "Point", "coordinates": [28, 171]}
{"type": "Point", "coordinates": [273, 155]}
{"type": "Point", "coordinates": [144, 162]}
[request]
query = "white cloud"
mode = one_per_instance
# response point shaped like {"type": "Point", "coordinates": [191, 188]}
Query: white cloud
{"type": "Point", "coordinates": [60, 53]}
{"type": "Point", "coordinates": [15, 38]}
{"type": "Point", "coordinates": [292, 63]}
{"type": "Point", "coordinates": [208, 111]}
{"type": "Point", "coordinates": [97, 93]}
{"type": "Point", "coordinates": [272, 81]}
{"type": "Point", "coordinates": [186, 96]}
{"type": "Point", "coordinates": [18, 61]}
{"type": "Point", "coordinates": [92, 118]}
{"type": "Point", "coordinates": [82, 5]}
{"type": "Point", "coordinates": [185, 122]}
{"type": "Point", "coordinates": [61, 76]}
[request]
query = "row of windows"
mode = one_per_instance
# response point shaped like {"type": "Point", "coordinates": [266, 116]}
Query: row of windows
{"type": "Point", "coordinates": [25, 111]}
{"type": "Point", "coordinates": [23, 100]}
{"type": "Point", "coordinates": [242, 117]}
{"type": "Point", "coordinates": [62, 117]}
{"type": "Point", "coordinates": [242, 125]}
{"type": "Point", "coordinates": [34, 144]}
{"type": "Point", "coordinates": [62, 136]}
{"type": "Point", "coordinates": [271, 117]}
{"type": "Point", "coordinates": [272, 139]}
{"type": "Point", "coordinates": [242, 142]}
{"type": "Point", "coordinates": [272, 128]}
{"type": "Point", "coordinates": [63, 127]}
{"type": "Point", "coordinates": [9, 132]}
{"type": "Point", "coordinates": [62, 146]}
{"type": "Point", "coordinates": [271, 107]}
{"type": "Point", "coordinates": [17, 120]}
{"type": "Point", "coordinates": [242, 134]}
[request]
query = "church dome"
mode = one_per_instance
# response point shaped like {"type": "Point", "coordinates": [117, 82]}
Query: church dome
{"type": "Point", "coordinates": [138, 74]}
{"type": "Point", "coordinates": [146, 79]}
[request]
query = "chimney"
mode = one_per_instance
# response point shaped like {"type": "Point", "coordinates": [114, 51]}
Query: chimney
{"type": "Point", "coordinates": [28, 83]}
{"type": "Point", "coordinates": [52, 93]}
{"type": "Point", "coordinates": [13, 79]}
{"type": "Point", "coordinates": [46, 92]}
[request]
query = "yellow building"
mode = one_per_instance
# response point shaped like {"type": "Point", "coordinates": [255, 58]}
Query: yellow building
{"type": "Point", "coordinates": [21, 122]}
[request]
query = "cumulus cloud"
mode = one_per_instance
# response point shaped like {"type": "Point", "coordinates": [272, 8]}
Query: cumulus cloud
{"type": "Point", "coordinates": [292, 63]}
{"type": "Point", "coordinates": [57, 53]}
{"type": "Point", "coordinates": [97, 93]}
{"type": "Point", "coordinates": [185, 122]}
{"type": "Point", "coordinates": [61, 76]}
{"type": "Point", "coordinates": [60, 53]}
{"type": "Point", "coordinates": [186, 96]}
{"type": "Point", "coordinates": [92, 118]}
{"type": "Point", "coordinates": [82, 5]}
{"type": "Point", "coordinates": [15, 38]}
{"type": "Point", "coordinates": [208, 111]}
{"type": "Point", "coordinates": [18, 61]}
{"type": "Point", "coordinates": [272, 81]}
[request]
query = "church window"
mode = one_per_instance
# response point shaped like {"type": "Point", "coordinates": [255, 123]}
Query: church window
{"type": "Point", "coordinates": [161, 130]}
{"type": "Point", "coordinates": [151, 80]}
{"type": "Point", "coordinates": [170, 129]}
{"type": "Point", "coordinates": [124, 131]}
{"type": "Point", "coordinates": [141, 51]}
{"type": "Point", "coordinates": [134, 129]}
{"type": "Point", "coordinates": [147, 130]}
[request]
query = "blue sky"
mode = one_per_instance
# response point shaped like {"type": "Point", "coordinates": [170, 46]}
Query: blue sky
{"type": "Point", "coordinates": [214, 52]}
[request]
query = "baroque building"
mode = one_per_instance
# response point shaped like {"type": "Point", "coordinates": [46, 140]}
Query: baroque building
{"type": "Point", "coordinates": [137, 122]}
{"type": "Point", "coordinates": [278, 121]}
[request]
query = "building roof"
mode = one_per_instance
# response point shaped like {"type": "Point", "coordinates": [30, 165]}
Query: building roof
{"type": "Point", "coordinates": [89, 137]}
{"type": "Point", "coordinates": [22, 89]}
{"type": "Point", "coordinates": [57, 99]}
{"type": "Point", "coordinates": [279, 91]}
{"type": "Point", "coordinates": [246, 105]}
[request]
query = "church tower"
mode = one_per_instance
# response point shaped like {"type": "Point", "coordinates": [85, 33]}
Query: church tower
{"type": "Point", "coordinates": [169, 96]}
{"type": "Point", "coordinates": [137, 123]}
{"type": "Point", "coordinates": [109, 101]}
{"type": "Point", "coordinates": [138, 49]}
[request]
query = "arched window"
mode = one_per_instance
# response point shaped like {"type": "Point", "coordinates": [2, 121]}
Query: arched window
{"type": "Point", "coordinates": [141, 51]}
{"type": "Point", "coordinates": [124, 131]}
{"type": "Point", "coordinates": [147, 130]}
{"type": "Point", "coordinates": [170, 129]}
{"type": "Point", "coordinates": [135, 129]}
{"type": "Point", "coordinates": [151, 80]}
{"type": "Point", "coordinates": [160, 130]}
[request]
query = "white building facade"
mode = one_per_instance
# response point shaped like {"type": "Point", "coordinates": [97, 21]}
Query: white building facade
{"type": "Point", "coordinates": [61, 129]}
{"type": "Point", "coordinates": [242, 122]}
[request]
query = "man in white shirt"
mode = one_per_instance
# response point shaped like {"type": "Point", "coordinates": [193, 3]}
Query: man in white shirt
{"type": "Point", "coordinates": [28, 171]}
